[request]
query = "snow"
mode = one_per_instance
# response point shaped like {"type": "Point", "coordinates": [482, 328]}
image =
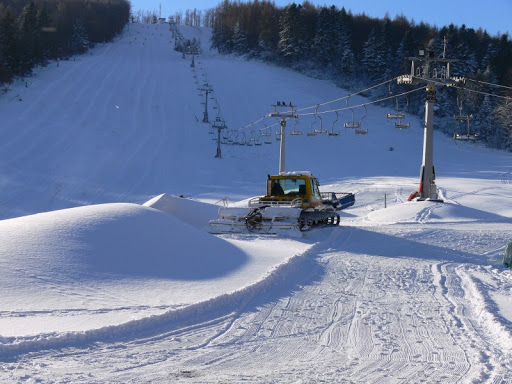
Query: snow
{"type": "Point", "coordinates": [108, 273]}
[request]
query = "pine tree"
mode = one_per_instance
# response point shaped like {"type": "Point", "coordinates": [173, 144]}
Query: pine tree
{"type": "Point", "coordinates": [376, 55]}
{"type": "Point", "coordinates": [44, 47]}
{"type": "Point", "coordinates": [467, 64]}
{"type": "Point", "coordinates": [239, 40]}
{"type": "Point", "coordinates": [503, 126]}
{"type": "Point", "coordinates": [80, 40]}
{"type": "Point", "coordinates": [291, 36]}
{"type": "Point", "coordinates": [324, 43]}
{"type": "Point", "coordinates": [346, 60]}
{"type": "Point", "coordinates": [484, 120]}
{"type": "Point", "coordinates": [8, 43]}
{"type": "Point", "coordinates": [28, 36]}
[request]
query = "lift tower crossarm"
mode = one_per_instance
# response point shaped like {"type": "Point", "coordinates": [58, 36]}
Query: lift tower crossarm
{"type": "Point", "coordinates": [289, 114]}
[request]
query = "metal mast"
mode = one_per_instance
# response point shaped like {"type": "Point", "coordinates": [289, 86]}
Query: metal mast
{"type": "Point", "coordinates": [288, 114]}
{"type": "Point", "coordinates": [219, 124]}
{"type": "Point", "coordinates": [206, 88]}
{"type": "Point", "coordinates": [424, 74]}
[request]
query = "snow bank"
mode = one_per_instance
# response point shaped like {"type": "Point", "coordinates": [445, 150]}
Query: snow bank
{"type": "Point", "coordinates": [192, 212]}
{"type": "Point", "coordinates": [115, 239]}
{"type": "Point", "coordinates": [446, 212]}
{"type": "Point", "coordinates": [85, 267]}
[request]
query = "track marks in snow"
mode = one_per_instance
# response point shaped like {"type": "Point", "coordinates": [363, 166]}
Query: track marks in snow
{"type": "Point", "coordinates": [357, 317]}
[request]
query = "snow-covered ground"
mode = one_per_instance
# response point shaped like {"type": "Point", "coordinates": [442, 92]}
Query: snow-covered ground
{"type": "Point", "coordinates": [106, 275]}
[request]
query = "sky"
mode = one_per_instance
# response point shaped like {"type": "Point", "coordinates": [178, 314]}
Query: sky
{"type": "Point", "coordinates": [495, 18]}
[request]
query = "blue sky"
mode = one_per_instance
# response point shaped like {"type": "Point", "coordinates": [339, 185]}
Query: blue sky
{"type": "Point", "coordinates": [493, 15]}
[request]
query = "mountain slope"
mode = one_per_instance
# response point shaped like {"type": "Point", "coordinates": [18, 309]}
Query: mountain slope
{"type": "Point", "coordinates": [104, 289]}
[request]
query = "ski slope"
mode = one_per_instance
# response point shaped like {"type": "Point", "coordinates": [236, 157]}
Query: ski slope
{"type": "Point", "coordinates": [107, 275]}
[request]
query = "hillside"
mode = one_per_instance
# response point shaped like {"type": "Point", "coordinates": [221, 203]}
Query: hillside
{"type": "Point", "coordinates": [107, 276]}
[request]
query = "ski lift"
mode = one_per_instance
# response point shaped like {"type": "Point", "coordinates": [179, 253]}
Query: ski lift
{"type": "Point", "coordinates": [352, 124]}
{"type": "Point", "coordinates": [312, 131]}
{"type": "Point", "coordinates": [321, 130]}
{"type": "Point", "coordinates": [266, 133]}
{"type": "Point", "coordinates": [235, 135]}
{"type": "Point", "coordinates": [359, 130]}
{"type": "Point", "coordinates": [296, 130]}
{"type": "Point", "coordinates": [243, 140]}
{"type": "Point", "coordinates": [399, 116]}
{"type": "Point", "coordinates": [229, 136]}
{"type": "Point", "coordinates": [333, 132]}
{"type": "Point", "coordinates": [461, 118]}
{"type": "Point", "coordinates": [254, 140]}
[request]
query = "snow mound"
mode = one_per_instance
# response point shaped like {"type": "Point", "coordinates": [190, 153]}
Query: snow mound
{"type": "Point", "coordinates": [117, 239]}
{"type": "Point", "coordinates": [88, 267]}
{"type": "Point", "coordinates": [427, 211]}
{"type": "Point", "coordinates": [193, 212]}
{"type": "Point", "coordinates": [400, 213]}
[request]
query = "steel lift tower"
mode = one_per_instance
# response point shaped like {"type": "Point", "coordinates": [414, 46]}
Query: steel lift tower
{"type": "Point", "coordinates": [288, 114]}
{"type": "Point", "coordinates": [427, 74]}
{"type": "Point", "coordinates": [219, 125]}
{"type": "Point", "coordinates": [207, 89]}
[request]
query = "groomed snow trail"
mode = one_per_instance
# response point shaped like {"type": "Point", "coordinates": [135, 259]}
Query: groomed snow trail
{"type": "Point", "coordinates": [341, 317]}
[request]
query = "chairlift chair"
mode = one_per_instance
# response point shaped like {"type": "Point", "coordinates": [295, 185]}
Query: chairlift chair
{"type": "Point", "coordinates": [333, 132]}
{"type": "Point", "coordinates": [321, 130]}
{"type": "Point", "coordinates": [266, 133]}
{"type": "Point", "coordinates": [312, 131]}
{"type": "Point", "coordinates": [296, 130]}
{"type": "Point", "coordinates": [461, 118]}
{"type": "Point", "coordinates": [401, 125]}
{"type": "Point", "coordinates": [254, 140]}
{"type": "Point", "coordinates": [359, 130]}
{"type": "Point", "coordinates": [243, 140]}
{"type": "Point", "coordinates": [351, 124]}
{"type": "Point", "coordinates": [235, 136]}
{"type": "Point", "coordinates": [397, 114]}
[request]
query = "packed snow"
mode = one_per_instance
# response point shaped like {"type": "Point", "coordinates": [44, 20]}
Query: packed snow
{"type": "Point", "coordinates": [108, 273]}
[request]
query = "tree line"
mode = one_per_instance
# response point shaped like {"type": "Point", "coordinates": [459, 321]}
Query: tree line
{"type": "Point", "coordinates": [34, 32]}
{"type": "Point", "coordinates": [357, 51]}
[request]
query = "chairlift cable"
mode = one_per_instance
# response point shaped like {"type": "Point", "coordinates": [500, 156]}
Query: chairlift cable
{"type": "Point", "coordinates": [362, 104]}
{"type": "Point", "coordinates": [491, 84]}
{"type": "Point", "coordinates": [347, 96]}
{"type": "Point", "coordinates": [469, 90]}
